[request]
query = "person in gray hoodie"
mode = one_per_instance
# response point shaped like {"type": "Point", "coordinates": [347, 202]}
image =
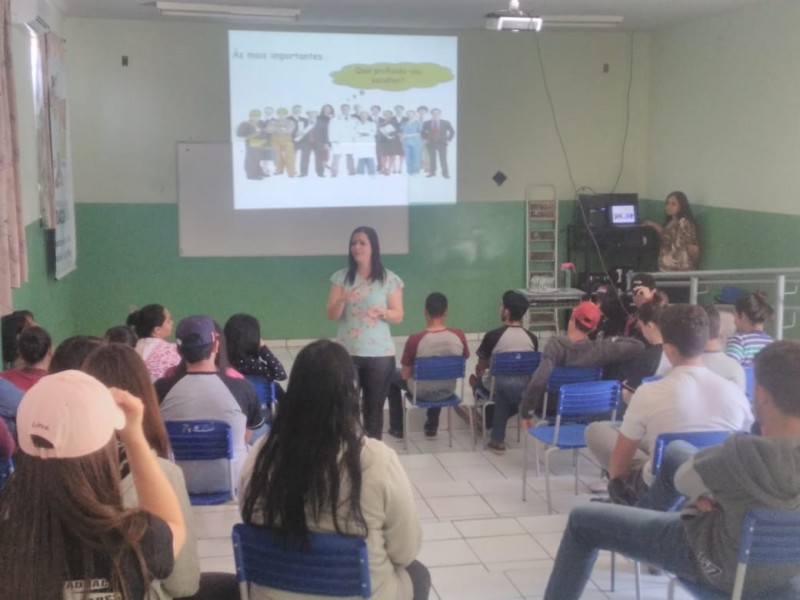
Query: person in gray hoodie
{"type": "Point", "coordinates": [721, 484]}
{"type": "Point", "coordinates": [574, 349]}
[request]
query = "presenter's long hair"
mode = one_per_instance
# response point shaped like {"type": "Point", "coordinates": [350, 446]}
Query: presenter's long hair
{"type": "Point", "coordinates": [685, 211]}
{"type": "Point", "coordinates": [377, 271]}
{"type": "Point", "coordinates": [58, 510]}
{"type": "Point", "coordinates": [310, 464]}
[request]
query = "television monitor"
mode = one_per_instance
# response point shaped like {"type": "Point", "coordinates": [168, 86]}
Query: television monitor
{"type": "Point", "coordinates": [623, 215]}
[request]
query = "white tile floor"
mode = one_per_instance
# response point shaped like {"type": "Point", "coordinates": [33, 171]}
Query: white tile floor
{"type": "Point", "coordinates": [480, 540]}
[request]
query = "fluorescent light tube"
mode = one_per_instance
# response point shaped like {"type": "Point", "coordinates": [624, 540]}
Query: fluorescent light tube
{"type": "Point", "coordinates": [221, 11]}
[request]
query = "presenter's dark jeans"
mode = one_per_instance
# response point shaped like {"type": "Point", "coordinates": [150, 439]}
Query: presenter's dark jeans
{"type": "Point", "coordinates": [374, 375]}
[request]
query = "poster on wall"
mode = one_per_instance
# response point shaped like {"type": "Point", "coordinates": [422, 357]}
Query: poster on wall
{"type": "Point", "coordinates": [63, 200]}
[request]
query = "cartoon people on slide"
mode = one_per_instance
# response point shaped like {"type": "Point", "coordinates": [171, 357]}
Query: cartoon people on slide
{"type": "Point", "coordinates": [353, 141]}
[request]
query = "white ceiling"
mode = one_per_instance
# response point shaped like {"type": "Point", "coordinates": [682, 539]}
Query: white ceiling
{"type": "Point", "coordinates": [436, 14]}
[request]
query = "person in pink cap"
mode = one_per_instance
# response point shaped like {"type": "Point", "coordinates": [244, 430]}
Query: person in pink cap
{"type": "Point", "coordinates": [64, 525]}
{"type": "Point", "coordinates": [574, 349]}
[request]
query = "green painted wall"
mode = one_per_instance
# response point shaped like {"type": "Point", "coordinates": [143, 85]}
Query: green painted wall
{"type": "Point", "coordinates": [50, 300]}
{"type": "Point", "coordinates": [128, 255]}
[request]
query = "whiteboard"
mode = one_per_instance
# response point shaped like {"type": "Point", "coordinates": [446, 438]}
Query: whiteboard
{"type": "Point", "coordinates": [209, 226]}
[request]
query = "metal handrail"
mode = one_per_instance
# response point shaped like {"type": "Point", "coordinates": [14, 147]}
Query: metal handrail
{"type": "Point", "coordinates": [773, 276]}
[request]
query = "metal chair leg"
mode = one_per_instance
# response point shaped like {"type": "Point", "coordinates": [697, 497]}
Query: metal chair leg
{"type": "Point", "coordinates": [405, 424]}
{"type": "Point", "coordinates": [637, 577]}
{"type": "Point", "coordinates": [483, 420]}
{"type": "Point", "coordinates": [525, 469]}
{"type": "Point", "coordinates": [547, 480]}
{"type": "Point", "coordinates": [613, 571]}
{"type": "Point", "coordinates": [449, 428]}
{"type": "Point", "coordinates": [575, 466]}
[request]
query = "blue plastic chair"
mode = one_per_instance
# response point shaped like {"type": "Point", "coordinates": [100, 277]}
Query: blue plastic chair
{"type": "Point", "coordinates": [505, 364]}
{"type": "Point", "coordinates": [204, 440]}
{"type": "Point", "coordinates": [699, 439]}
{"type": "Point", "coordinates": [769, 536]}
{"type": "Point", "coordinates": [335, 565]}
{"type": "Point", "coordinates": [576, 401]}
{"type": "Point", "coordinates": [265, 390]}
{"type": "Point", "coordinates": [564, 375]}
{"type": "Point", "coordinates": [652, 378]}
{"type": "Point", "coordinates": [436, 368]}
{"type": "Point", "coordinates": [749, 383]}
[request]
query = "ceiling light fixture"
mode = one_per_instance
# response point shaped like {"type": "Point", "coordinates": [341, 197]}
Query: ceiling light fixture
{"type": "Point", "coordinates": [230, 12]}
{"type": "Point", "coordinates": [579, 21]}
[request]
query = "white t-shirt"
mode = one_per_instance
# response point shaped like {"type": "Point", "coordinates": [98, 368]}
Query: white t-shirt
{"type": "Point", "coordinates": [725, 366]}
{"type": "Point", "coordinates": [686, 399]}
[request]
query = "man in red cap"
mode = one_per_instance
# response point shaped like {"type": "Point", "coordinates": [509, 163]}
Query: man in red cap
{"type": "Point", "coordinates": [574, 349]}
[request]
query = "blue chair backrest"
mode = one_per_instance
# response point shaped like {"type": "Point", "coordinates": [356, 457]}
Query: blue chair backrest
{"type": "Point", "coordinates": [265, 390]}
{"type": "Point", "coordinates": [749, 382]}
{"type": "Point", "coordinates": [700, 439]}
{"type": "Point", "coordinates": [335, 565]}
{"type": "Point", "coordinates": [563, 375]}
{"type": "Point", "coordinates": [589, 398]}
{"type": "Point", "coordinates": [505, 364]}
{"type": "Point", "coordinates": [437, 368]}
{"type": "Point", "coordinates": [770, 536]}
{"type": "Point", "coordinates": [6, 468]}
{"type": "Point", "coordinates": [200, 440]}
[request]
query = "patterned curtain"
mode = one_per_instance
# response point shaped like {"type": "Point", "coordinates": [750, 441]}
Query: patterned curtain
{"type": "Point", "coordinates": [13, 255]}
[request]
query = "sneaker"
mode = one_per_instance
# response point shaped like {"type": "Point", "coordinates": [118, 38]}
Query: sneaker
{"type": "Point", "coordinates": [498, 448]}
{"type": "Point", "coordinates": [599, 486]}
{"type": "Point", "coordinates": [430, 430]}
{"type": "Point", "coordinates": [395, 433]}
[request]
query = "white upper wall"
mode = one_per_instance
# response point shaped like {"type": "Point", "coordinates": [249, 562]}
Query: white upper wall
{"type": "Point", "coordinates": [125, 121]}
{"type": "Point", "coordinates": [724, 111]}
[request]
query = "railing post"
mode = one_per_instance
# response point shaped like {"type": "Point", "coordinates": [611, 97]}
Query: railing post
{"type": "Point", "coordinates": [693, 286]}
{"type": "Point", "coordinates": [780, 301]}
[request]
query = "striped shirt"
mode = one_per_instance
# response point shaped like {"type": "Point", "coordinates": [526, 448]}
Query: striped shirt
{"type": "Point", "coordinates": [743, 347]}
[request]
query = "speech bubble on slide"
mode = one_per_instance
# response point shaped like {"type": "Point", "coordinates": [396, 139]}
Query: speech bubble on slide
{"type": "Point", "coordinates": [392, 77]}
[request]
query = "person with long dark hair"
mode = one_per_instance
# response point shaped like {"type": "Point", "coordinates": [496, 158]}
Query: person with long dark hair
{"type": "Point", "coordinates": [12, 325]}
{"type": "Point", "coordinates": [65, 530]}
{"type": "Point", "coordinates": [750, 313]}
{"type": "Point", "coordinates": [680, 249]}
{"type": "Point", "coordinates": [316, 471]}
{"type": "Point", "coordinates": [248, 354]}
{"type": "Point", "coordinates": [118, 365]}
{"type": "Point", "coordinates": [153, 326]}
{"type": "Point", "coordinates": [365, 298]}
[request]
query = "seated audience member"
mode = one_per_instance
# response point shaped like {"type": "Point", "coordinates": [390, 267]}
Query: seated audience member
{"type": "Point", "coordinates": [511, 337]}
{"type": "Point", "coordinates": [316, 471]}
{"type": "Point", "coordinates": [651, 361]}
{"type": "Point", "coordinates": [71, 353]}
{"type": "Point", "coordinates": [721, 483]}
{"type": "Point", "coordinates": [10, 397]}
{"type": "Point", "coordinates": [205, 393]}
{"type": "Point", "coordinates": [750, 312]}
{"type": "Point", "coordinates": [153, 325]}
{"type": "Point", "coordinates": [643, 291]}
{"type": "Point", "coordinates": [12, 325]}
{"type": "Point", "coordinates": [248, 353]}
{"type": "Point", "coordinates": [714, 358]}
{"type": "Point", "coordinates": [119, 366]}
{"type": "Point", "coordinates": [688, 398]}
{"type": "Point", "coordinates": [437, 339]}
{"type": "Point", "coordinates": [63, 507]}
{"type": "Point", "coordinates": [121, 334]}
{"type": "Point", "coordinates": [574, 349]}
{"type": "Point", "coordinates": [35, 350]}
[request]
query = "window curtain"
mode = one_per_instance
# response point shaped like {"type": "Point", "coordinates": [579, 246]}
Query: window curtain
{"type": "Point", "coordinates": [13, 256]}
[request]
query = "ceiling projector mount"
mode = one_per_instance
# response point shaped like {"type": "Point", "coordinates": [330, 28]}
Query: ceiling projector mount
{"type": "Point", "coordinates": [515, 19]}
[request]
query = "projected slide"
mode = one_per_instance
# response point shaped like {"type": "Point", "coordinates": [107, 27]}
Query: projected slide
{"type": "Point", "coordinates": [328, 120]}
